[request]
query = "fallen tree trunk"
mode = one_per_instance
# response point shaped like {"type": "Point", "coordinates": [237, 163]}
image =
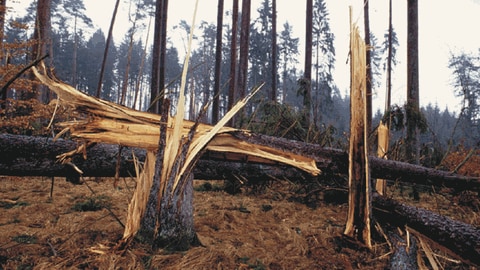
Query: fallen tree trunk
{"type": "Point", "coordinates": [36, 156]}
{"type": "Point", "coordinates": [460, 238]}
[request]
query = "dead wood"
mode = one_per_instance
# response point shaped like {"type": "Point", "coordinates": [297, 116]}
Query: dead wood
{"type": "Point", "coordinates": [359, 185]}
{"type": "Point", "coordinates": [36, 156]}
{"type": "Point", "coordinates": [460, 238]}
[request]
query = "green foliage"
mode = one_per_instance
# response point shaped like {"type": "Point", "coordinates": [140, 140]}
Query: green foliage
{"type": "Point", "coordinates": [279, 120]}
{"type": "Point", "coordinates": [284, 121]}
{"type": "Point", "coordinates": [9, 205]}
{"type": "Point", "coordinates": [396, 117]}
{"type": "Point", "coordinates": [92, 204]}
{"type": "Point", "coordinates": [207, 186]}
{"type": "Point", "coordinates": [25, 239]}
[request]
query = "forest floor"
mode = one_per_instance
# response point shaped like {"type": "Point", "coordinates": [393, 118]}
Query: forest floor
{"type": "Point", "coordinates": [273, 229]}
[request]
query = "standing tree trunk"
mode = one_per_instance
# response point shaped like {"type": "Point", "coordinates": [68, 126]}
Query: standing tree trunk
{"type": "Point", "coordinates": [163, 53]}
{"type": "Point", "coordinates": [360, 194]}
{"type": "Point", "coordinates": [369, 79]}
{"type": "Point", "coordinates": [413, 106]}
{"type": "Point", "coordinates": [168, 218]}
{"type": "Point", "coordinates": [389, 61]}
{"type": "Point", "coordinates": [274, 51]}
{"type": "Point", "coordinates": [218, 63]}
{"type": "Point", "coordinates": [244, 44]}
{"type": "Point", "coordinates": [42, 45]}
{"type": "Point", "coordinates": [107, 46]}
{"type": "Point", "coordinates": [156, 51]}
{"type": "Point", "coordinates": [123, 95]}
{"type": "Point", "coordinates": [308, 63]}
{"type": "Point", "coordinates": [3, 9]}
{"type": "Point", "coordinates": [75, 52]}
{"type": "Point", "coordinates": [140, 72]}
{"type": "Point", "coordinates": [233, 60]}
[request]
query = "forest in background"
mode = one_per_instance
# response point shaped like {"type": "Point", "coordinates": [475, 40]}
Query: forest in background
{"type": "Point", "coordinates": [77, 60]}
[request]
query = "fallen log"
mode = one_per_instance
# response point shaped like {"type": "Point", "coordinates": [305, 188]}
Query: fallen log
{"type": "Point", "coordinates": [460, 238]}
{"type": "Point", "coordinates": [36, 156]}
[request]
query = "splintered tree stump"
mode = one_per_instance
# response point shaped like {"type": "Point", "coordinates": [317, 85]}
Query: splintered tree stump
{"type": "Point", "coordinates": [176, 219]}
{"type": "Point", "coordinates": [360, 193]}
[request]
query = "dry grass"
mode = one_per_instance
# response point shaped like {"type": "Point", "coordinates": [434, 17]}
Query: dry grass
{"type": "Point", "coordinates": [267, 231]}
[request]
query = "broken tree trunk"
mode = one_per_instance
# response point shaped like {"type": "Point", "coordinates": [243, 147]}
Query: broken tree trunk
{"type": "Point", "coordinates": [382, 149]}
{"type": "Point", "coordinates": [36, 156]}
{"type": "Point", "coordinates": [360, 193]}
{"type": "Point", "coordinates": [460, 238]}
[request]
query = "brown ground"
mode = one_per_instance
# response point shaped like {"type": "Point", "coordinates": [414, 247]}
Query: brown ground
{"type": "Point", "coordinates": [271, 230]}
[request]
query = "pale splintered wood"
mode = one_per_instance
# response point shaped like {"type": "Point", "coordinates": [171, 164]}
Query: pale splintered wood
{"type": "Point", "coordinates": [112, 123]}
{"type": "Point", "coordinates": [138, 203]}
{"type": "Point", "coordinates": [359, 200]}
{"type": "Point", "coordinates": [383, 137]}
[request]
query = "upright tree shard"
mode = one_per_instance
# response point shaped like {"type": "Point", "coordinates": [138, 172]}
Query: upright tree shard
{"type": "Point", "coordinates": [360, 195]}
{"type": "Point", "coordinates": [383, 137]}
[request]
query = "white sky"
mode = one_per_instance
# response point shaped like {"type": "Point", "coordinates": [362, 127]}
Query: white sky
{"type": "Point", "coordinates": [444, 27]}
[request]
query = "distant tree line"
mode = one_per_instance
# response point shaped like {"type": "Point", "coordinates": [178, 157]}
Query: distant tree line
{"type": "Point", "coordinates": [77, 59]}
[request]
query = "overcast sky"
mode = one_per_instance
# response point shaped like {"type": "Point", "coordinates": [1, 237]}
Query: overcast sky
{"type": "Point", "coordinates": [445, 27]}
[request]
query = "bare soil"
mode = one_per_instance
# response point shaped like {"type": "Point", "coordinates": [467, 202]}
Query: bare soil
{"type": "Point", "coordinates": [77, 227]}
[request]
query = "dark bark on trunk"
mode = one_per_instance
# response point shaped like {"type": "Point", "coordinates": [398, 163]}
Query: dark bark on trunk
{"type": "Point", "coordinates": [389, 61]}
{"type": "Point", "coordinates": [413, 102]}
{"type": "Point", "coordinates": [368, 53]}
{"type": "Point", "coordinates": [3, 9]}
{"type": "Point", "coordinates": [308, 64]}
{"type": "Point", "coordinates": [274, 51]}
{"type": "Point", "coordinates": [155, 87]}
{"type": "Point", "coordinates": [218, 63]}
{"type": "Point", "coordinates": [42, 46]}
{"type": "Point", "coordinates": [177, 230]}
{"type": "Point", "coordinates": [232, 88]}
{"type": "Point", "coordinates": [150, 220]}
{"type": "Point", "coordinates": [36, 156]}
{"type": "Point", "coordinates": [241, 90]}
{"type": "Point", "coordinates": [163, 54]}
{"type": "Point", "coordinates": [403, 257]}
{"type": "Point", "coordinates": [460, 238]}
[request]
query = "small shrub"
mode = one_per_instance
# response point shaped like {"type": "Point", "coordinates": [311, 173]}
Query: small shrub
{"type": "Point", "coordinates": [92, 204]}
{"type": "Point", "coordinates": [25, 239]}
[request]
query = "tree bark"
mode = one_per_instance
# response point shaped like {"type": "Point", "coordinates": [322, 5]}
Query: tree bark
{"type": "Point", "coordinates": [243, 61]}
{"type": "Point", "coordinates": [232, 87]}
{"type": "Point", "coordinates": [42, 46]}
{"type": "Point", "coordinates": [218, 63]}
{"type": "Point", "coordinates": [274, 51]}
{"type": "Point", "coordinates": [155, 87]}
{"type": "Point", "coordinates": [413, 102]}
{"type": "Point", "coordinates": [368, 53]}
{"type": "Point", "coordinates": [36, 156]}
{"type": "Point", "coordinates": [460, 238]}
{"type": "Point", "coordinates": [307, 77]}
